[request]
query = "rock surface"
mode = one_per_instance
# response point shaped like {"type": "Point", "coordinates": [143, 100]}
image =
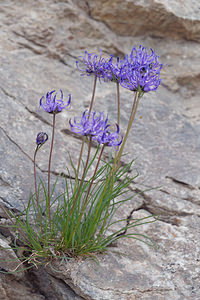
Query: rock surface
{"type": "Point", "coordinates": [39, 43]}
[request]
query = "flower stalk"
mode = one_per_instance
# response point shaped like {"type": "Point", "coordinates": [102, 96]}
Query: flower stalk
{"type": "Point", "coordinates": [93, 95]}
{"type": "Point", "coordinates": [118, 104]}
{"type": "Point", "coordinates": [49, 168]}
{"type": "Point", "coordinates": [83, 175]}
{"type": "Point", "coordinates": [35, 181]}
{"type": "Point", "coordinates": [131, 119]}
{"type": "Point", "coordinates": [36, 190]}
{"type": "Point", "coordinates": [40, 140]}
{"type": "Point", "coordinates": [94, 174]}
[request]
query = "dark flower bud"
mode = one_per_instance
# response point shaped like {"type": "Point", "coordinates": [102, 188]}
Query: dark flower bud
{"type": "Point", "coordinates": [42, 137]}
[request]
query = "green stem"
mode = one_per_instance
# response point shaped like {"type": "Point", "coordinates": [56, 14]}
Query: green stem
{"type": "Point", "coordinates": [118, 104]}
{"type": "Point", "coordinates": [93, 94]}
{"type": "Point", "coordinates": [34, 164]}
{"type": "Point", "coordinates": [117, 158]}
{"type": "Point", "coordinates": [83, 175]}
{"type": "Point", "coordinates": [49, 169]}
{"type": "Point", "coordinates": [36, 191]}
{"type": "Point", "coordinates": [95, 171]}
{"type": "Point", "coordinates": [79, 161]}
{"type": "Point", "coordinates": [84, 138]}
{"type": "Point", "coordinates": [131, 119]}
{"type": "Point", "coordinates": [118, 108]}
{"type": "Point", "coordinates": [85, 202]}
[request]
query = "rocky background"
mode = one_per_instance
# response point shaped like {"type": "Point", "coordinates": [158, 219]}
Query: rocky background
{"type": "Point", "coordinates": [39, 43]}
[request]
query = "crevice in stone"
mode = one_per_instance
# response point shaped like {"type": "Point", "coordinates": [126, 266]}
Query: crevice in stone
{"type": "Point", "coordinates": [4, 200]}
{"type": "Point", "coordinates": [185, 184]}
{"type": "Point", "coordinates": [150, 293]}
{"type": "Point", "coordinates": [48, 53]}
{"type": "Point", "coordinates": [38, 116]}
{"type": "Point", "coordinates": [189, 198]}
{"type": "Point", "coordinates": [64, 62]}
{"type": "Point", "coordinates": [68, 287]}
{"type": "Point", "coordinates": [29, 39]}
{"type": "Point", "coordinates": [3, 270]}
{"type": "Point", "coordinates": [12, 141]}
{"type": "Point", "coordinates": [164, 215]}
{"type": "Point", "coordinates": [38, 284]}
{"type": "Point", "coordinates": [4, 183]}
{"type": "Point", "coordinates": [41, 282]}
{"type": "Point", "coordinates": [76, 136]}
{"type": "Point", "coordinates": [32, 49]}
{"type": "Point", "coordinates": [70, 133]}
{"type": "Point", "coordinates": [30, 111]}
{"type": "Point", "coordinates": [43, 171]}
{"type": "Point", "coordinates": [9, 206]}
{"type": "Point", "coordinates": [62, 174]}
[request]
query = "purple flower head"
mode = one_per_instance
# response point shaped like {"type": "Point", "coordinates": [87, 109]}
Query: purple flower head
{"type": "Point", "coordinates": [53, 105]}
{"type": "Point", "coordinates": [89, 124]}
{"type": "Point", "coordinates": [41, 138]}
{"type": "Point", "coordinates": [115, 71]}
{"type": "Point", "coordinates": [141, 81]}
{"type": "Point", "coordinates": [109, 138]}
{"type": "Point", "coordinates": [92, 64]}
{"type": "Point", "coordinates": [142, 70]}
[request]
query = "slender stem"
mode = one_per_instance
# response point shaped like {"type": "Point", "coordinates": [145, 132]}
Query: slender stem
{"type": "Point", "coordinates": [95, 171]}
{"type": "Point", "coordinates": [36, 191]}
{"type": "Point", "coordinates": [105, 188]}
{"type": "Point", "coordinates": [117, 159]}
{"type": "Point", "coordinates": [131, 119]}
{"type": "Point", "coordinates": [118, 104]}
{"type": "Point", "coordinates": [83, 175]}
{"type": "Point", "coordinates": [85, 202]}
{"type": "Point", "coordinates": [84, 138]}
{"type": "Point", "coordinates": [93, 94]}
{"type": "Point", "coordinates": [49, 169]}
{"type": "Point", "coordinates": [79, 161]}
{"type": "Point", "coordinates": [118, 109]}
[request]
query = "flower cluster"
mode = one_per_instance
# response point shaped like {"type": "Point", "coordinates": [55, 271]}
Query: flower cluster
{"type": "Point", "coordinates": [53, 105]}
{"type": "Point", "coordinates": [139, 71]}
{"type": "Point", "coordinates": [109, 138]}
{"type": "Point", "coordinates": [89, 124]}
{"type": "Point", "coordinates": [92, 64]}
{"type": "Point", "coordinates": [96, 127]}
{"type": "Point", "coordinates": [115, 70]}
{"type": "Point", "coordinates": [142, 70]}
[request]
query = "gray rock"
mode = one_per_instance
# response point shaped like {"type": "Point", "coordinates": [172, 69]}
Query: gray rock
{"type": "Point", "coordinates": [140, 272]}
{"type": "Point", "coordinates": [39, 45]}
{"type": "Point", "coordinates": [157, 18]}
{"type": "Point", "coordinates": [28, 284]}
